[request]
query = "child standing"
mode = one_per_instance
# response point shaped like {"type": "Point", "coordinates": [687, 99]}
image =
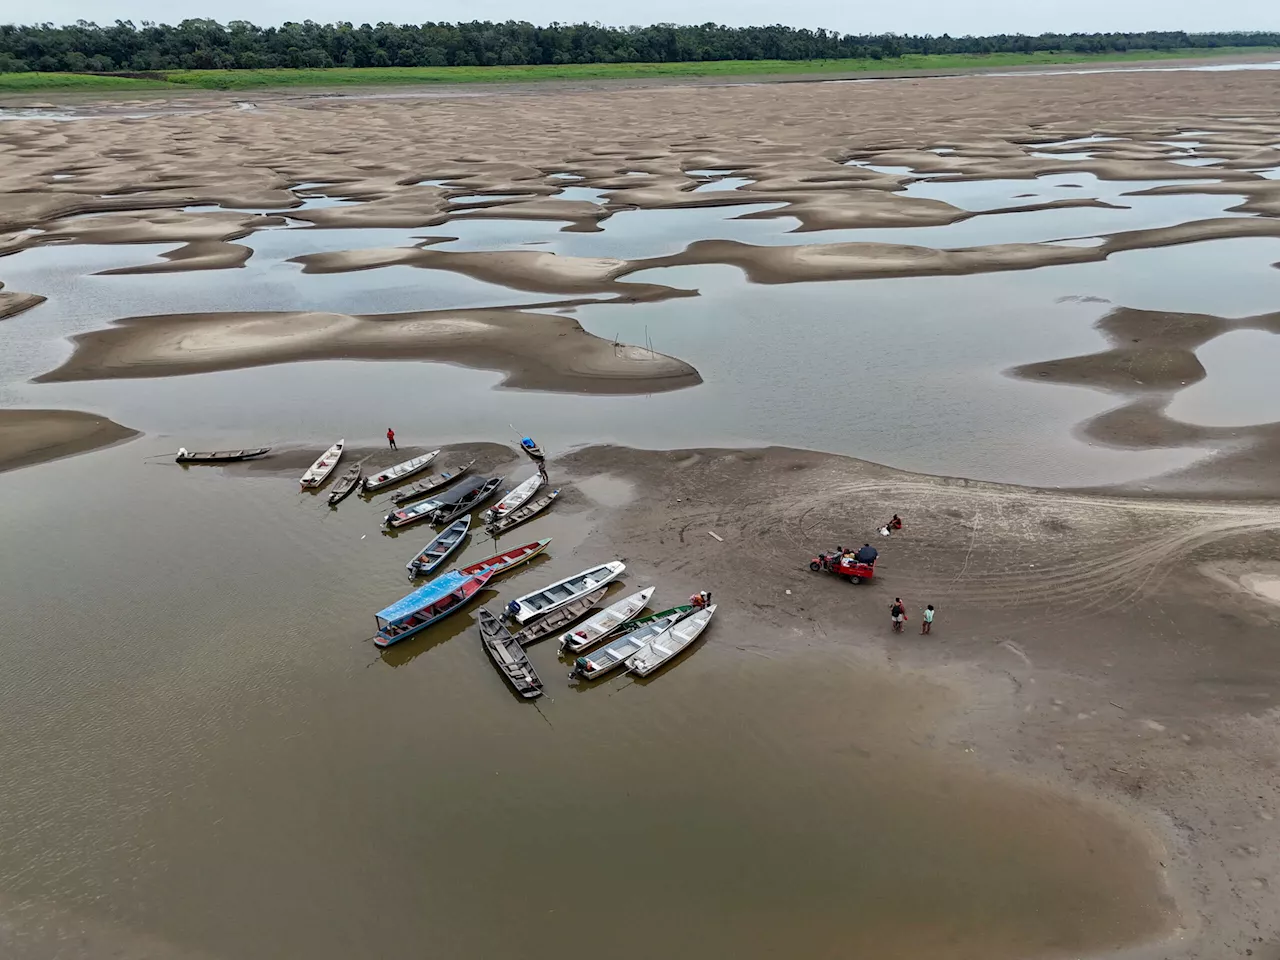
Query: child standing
{"type": "Point", "coordinates": [926, 622]}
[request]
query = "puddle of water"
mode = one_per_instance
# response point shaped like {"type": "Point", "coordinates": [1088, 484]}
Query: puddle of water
{"type": "Point", "coordinates": [1081, 141]}
{"type": "Point", "coordinates": [727, 183]}
{"type": "Point", "coordinates": [1239, 388]}
{"type": "Point", "coordinates": [475, 198]}
{"type": "Point", "coordinates": [993, 194]}
{"type": "Point", "coordinates": [942, 151]}
{"type": "Point", "coordinates": [588, 194]}
{"type": "Point", "coordinates": [710, 172]}
{"type": "Point", "coordinates": [890, 171]}
{"type": "Point", "coordinates": [554, 176]}
{"type": "Point", "coordinates": [64, 176]}
{"type": "Point", "coordinates": [1060, 156]}
{"type": "Point", "coordinates": [607, 490]}
{"type": "Point", "coordinates": [1198, 161]}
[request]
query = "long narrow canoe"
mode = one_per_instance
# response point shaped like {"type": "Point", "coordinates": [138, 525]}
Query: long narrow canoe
{"type": "Point", "coordinates": [615, 653]}
{"type": "Point", "coordinates": [561, 618]}
{"type": "Point", "coordinates": [447, 513]}
{"type": "Point", "coordinates": [670, 642]}
{"type": "Point", "coordinates": [219, 456]}
{"type": "Point", "coordinates": [432, 483]}
{"type": "Point", "coordinates": [433, 601]}
{"type": "Point", "coordinates": [523, 514]}
{"type": "Point", "coordinates": [319, 471]}
{"type": "Point", "coordinates": [517, 498]}
{"type": "Point", "coordinates": [427, 508]}
{"type": "Point", "coordinates": [508, 656]}
{"type": "Point", "coordinates": [502, 562]}
{"type": "Point", "coordinates": [400, 472]}
{"type": "Point", "coordinates": [438, 550]}
{"type": "Point", "coordinates": [639, 622]}
{"type": "Point", "coordinates": [345, 484]}
{"type": "Point", "coordinates": [532, 450]}
{"type": "Point", "coordinates": [605, 622]}
{"type": "Point", "coordinates": [562, 592]}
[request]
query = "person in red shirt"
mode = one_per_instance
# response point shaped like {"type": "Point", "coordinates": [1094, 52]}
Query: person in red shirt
{"type": "Point", "coordinates": [391, 438]}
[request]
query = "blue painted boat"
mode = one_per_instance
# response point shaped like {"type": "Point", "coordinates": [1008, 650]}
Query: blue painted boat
{"type": "Point", "coordinates": [444, 595]}
{"type": "Point", "coordinates": [435, 553]}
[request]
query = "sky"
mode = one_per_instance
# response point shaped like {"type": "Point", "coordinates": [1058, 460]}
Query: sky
{"type": "Point", "coordinates": [957, 17]}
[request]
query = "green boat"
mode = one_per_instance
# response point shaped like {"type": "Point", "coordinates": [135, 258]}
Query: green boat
{"type": "Point", "coordinates": [624, 628]}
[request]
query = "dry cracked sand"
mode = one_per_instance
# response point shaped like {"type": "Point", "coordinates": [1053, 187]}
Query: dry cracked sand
{"type": "Point", "coordinates": [1122, 647]}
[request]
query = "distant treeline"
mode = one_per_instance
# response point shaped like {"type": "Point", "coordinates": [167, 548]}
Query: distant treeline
{"type": "Point", "coordinates": [206, 44]}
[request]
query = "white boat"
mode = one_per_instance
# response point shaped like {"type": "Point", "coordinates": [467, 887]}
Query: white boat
{"type": "Point", "coordinates": [401, 471]}
{"type": "Point", "coordinates": [544, 601]}
{"type": "Point", "coordinates": [670, 642]}
{"type": "Point", "coordinates": [606, 621]}
{"type": "Point", "coordinates": [613, 654]}
{"type": "Point", "coordinates": [319, 471]}
{"type": "Point", "coordinates": [517, 498]}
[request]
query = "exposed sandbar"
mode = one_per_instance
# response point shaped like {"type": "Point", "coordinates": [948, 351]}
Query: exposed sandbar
{"type": "Point", "coordinates": [536, 351]}
{"type": "Point", "coordinates": [14, 302]}
{"type": "Point", "coordinates": [35, 436]}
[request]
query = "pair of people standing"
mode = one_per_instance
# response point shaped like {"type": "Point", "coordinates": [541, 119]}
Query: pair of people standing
{"type": "Point", "coordinates": [898, 614]}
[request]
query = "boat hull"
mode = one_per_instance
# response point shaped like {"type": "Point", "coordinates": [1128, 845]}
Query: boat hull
{"type": "Point", "coordinates": [390, 478]}
{"type": "Point", "coordinates": [563, 592]}
{"type": "Point", "coordinates": [672, 642]}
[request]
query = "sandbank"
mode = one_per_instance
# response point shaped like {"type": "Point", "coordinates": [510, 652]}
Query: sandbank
{"type": "Point", "coordinates": [29, 437]}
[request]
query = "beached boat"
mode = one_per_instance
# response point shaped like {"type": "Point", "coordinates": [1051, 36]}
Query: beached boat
{"type": "Point", "coordinates": [532, 449]}
{"type": "Point", "coordinates": [508, 656]}
{"type": "Point", "coordinates": [670, 642]}
{"type": "Point", "coordinates": [502, 562]}
{"type": "Point", "coordinates": [639, 622]}
{"type": "Point", "coordinates": [431, 484]}
{"type": "Point", "coordinates": [562, 592]}
{"type": "Point", "coordinates": [444, 595]}
{"type": "Point", "coordinates": [438, 550]}
{"type": "Point", "coordinates": [346, 483]}
{"type": "Point", "coordinates": [427, 508]}
{"type": "Point", "coordinates": [605, 622]}
{"type": "Point", "coordinates": [219, 456]}
{"type": "Point", "coordinates": [523, 514]}
{"type": "Point", "coordinates": [517, 498]}
{"type": "Point", "coordinates": [553, 622]}
{"type": "Point", "coordinates": [319, 471]}
{"type": "Point", "coordinates": [616, 652]}
{"type": "Point", "coordinates": [448, 512]}
{"type": "Point", "coordinates": [400, 472]}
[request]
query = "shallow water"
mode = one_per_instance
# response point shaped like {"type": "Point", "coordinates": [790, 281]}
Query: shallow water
{"type": "Point", "coordinates": [1239, 387]}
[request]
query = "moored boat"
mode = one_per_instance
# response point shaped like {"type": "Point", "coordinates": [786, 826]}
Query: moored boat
{"type": "Point", "coordinates": [508, 656]}
{"type": "Point", "coordinates": [518, 497]}
{"type": "Point", "coordinates": [431, 484]}
{"type": "Point", "coordinates": [345, 484]}
{"type": "Point", "coordinates": [427, 508]}
{"type": "Point", "coordinates": [448, 512]}
{"type": "Point", "coordinates": [319, 471]}
{"type": "Point", "coordinates": [438, 550]}
{"type": "Point", "coordinates": [562, 592]}
{"type": "Point", "coordinates": [219, 456]}
{"type": "Point", "coordinates": [523, 514]}
{"type": "Point", "coordinates": [533, 451]}
{"type": "Point", "coordinates": [616, 652]}
{"type": "Point", "coordinates": [670, 642]}
{"type": "Point", "coordinates": [400, 472]}
{"type": "Point", "coordinates": [502, 562]}
{"type": "Point", "coordinates": [576, 610]}
{"type": "Point", "coordinates": [605, 622]}
{"type": "Point", "coordinates": [444, 595]}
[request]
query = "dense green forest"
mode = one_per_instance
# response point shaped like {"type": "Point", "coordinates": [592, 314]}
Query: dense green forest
{"type": "Point", "coordinates": [205, 44]}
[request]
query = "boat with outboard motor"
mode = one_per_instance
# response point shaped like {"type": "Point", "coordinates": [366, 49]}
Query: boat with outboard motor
{"type": "Point", "coordinates": [433, 601]}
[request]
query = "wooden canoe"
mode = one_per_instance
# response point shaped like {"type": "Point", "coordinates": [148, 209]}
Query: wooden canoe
{"type": "Point", "coordinates": [561, 618]}
{"type": "Point", "coordinates": [449, 512]}
{"type": "Point", "coordinates": [502, 562]}
{"type": "Point", "coordinates": [563, 592]}
{"type": "Point", "coordinates": [607, 621]}
{"type": "Point", "coordinates": [432, 483]}
{"type": "Point", "coordinates": [438, 550]}
{"type": "Point", "coordinates": [319, 471]}
{"type": "Point", "coordinates": [518, 497]}
{"type": "Point", "coordinates": [523, 514]}
{"type": "Point", "coordinates": [428, 508]}
{"type": "Point", "coordinates": [345, 484]}
{"type": "Point", "coordinates": [219, 456]}
{"type": "Point", "coordinates": [508, 656]}
{"type": "Point", "coordinates": [400, 472]}
{"type": "Point", "coordinates": [668, 644]}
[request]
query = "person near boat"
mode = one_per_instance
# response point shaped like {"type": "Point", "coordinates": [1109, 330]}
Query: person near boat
{"type": "Point", "coordinates": [700, 600]}
{"type": "Point", "coordinates": [391, 439]}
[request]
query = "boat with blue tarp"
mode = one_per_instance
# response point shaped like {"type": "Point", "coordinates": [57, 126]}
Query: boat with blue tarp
{"type": "Point", "coordinates": [444, 595]}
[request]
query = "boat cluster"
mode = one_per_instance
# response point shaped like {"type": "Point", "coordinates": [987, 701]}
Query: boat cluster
{"type": "Point", "coordinates": [642, 643]}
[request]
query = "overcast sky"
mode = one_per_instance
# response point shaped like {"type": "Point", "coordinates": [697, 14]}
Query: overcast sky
{"type": "Point", "coordinates": [918, 16]}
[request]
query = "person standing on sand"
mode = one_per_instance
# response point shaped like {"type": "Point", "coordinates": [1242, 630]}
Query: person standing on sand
{"type": "Point", "coordinates": [391, 439]}
{"type": "Point", "coordinates": [926, 623]}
